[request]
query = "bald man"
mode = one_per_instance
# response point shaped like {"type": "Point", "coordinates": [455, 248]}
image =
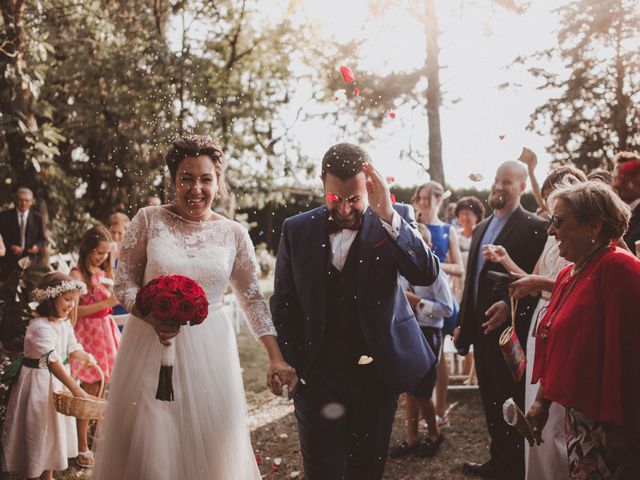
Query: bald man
{"type": "Point", "coordinates": [484, 314]}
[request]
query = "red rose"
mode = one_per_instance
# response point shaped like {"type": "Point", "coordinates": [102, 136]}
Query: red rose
{"type": "Point", "coordinates": [190, 289]}
{"type": "Point", "coordinates": [168, 283]}
{"type": "Point", "coordinates": [186, 311]}
{"type": "Point", "coordinates": [145, 296]}
{"type": "Point", "coordinates": [165, 306]}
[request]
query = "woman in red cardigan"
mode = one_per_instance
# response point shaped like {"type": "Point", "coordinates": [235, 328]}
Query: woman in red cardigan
{"type": "Point", "coordinates": [586, 343]}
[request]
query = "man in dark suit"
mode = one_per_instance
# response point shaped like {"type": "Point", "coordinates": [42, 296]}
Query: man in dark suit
{"type": "Point", "coordinates": [342, 320]}
{"type": "Point", "coordinates": [22, 230]}
{"type": "Point", "coordinates": [484, 314]}
{"type": "Point", "coordinates": [626, 181]}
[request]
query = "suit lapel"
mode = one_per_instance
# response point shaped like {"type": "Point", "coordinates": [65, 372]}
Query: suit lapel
{"type": "Point", "coordinates": [319, 243]}
{"type": "Point", "coordinates": [476, 238]}
{"type": "Point", "coordinates": [368, 237]}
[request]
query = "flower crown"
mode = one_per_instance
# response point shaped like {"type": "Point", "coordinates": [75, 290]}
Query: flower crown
{"type": "Point", "coordinates": [42, 294]}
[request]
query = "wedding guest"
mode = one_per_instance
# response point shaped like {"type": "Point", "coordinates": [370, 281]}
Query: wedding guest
{"type": "Point", "coordinates": [550, 459]}
{"type": "Point", "coordinates": [431, 304]}
{"type": "Point", "coordinates": [203, 433]}
{"type": "Point", "coordinates": [586, 341]}
{"type": "Point", "coordinates": [36, 439]}
{"type": "Point", "coordinates": [600, 174]}
{"type": "Point", "coordinates": [484, 312]}
{"type": "Point", "coordinates": [469, 212]}
{"type": "Point", "coordinates": [627, 183]}
{"type": "Point", "coordinates": [427, 201]}
{"type": "Point", "coordinates": [95, 329]}
{"type": "Point", "coordinates": [23, 231]}
{"type": "Point", "coordinates": [117, 224]}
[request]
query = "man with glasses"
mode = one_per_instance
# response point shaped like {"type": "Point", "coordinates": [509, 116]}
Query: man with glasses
{"type": "Point", "coordinates": [343, 321]}
{"type": "Point", "coordinates": [484, 314]}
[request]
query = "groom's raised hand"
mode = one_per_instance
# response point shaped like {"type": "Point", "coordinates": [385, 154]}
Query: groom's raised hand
{"type": "Point", "coordinates": [379, 194]}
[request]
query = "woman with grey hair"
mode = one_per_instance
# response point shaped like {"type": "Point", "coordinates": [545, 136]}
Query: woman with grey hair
{"type": "Point", "coordinates": [585, 355]}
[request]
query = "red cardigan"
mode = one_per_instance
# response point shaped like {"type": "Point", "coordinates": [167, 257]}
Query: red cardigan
{"type": "Point", "coordinates": [590, 358]}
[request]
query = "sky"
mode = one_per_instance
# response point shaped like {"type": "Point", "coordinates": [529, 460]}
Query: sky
{"type": "Point", "coordinates": [482, 125]}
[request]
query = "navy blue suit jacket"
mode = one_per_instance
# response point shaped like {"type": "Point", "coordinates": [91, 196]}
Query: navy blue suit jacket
{"type": "Point", "coordinates": [298, 305]}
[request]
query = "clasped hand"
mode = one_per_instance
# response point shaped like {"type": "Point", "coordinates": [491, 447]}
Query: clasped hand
{"type": "Point", "coordinates": [280, 373]}
{"type": "Point", "coordinates": [165, 330]}
{"type": "Point", "coordinates": [497, 313]}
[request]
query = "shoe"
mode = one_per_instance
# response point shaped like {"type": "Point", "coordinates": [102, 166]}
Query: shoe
{"type": "Point", "coordinates": [443, 421]}
{"type": "Point", "coordinates": [403, 449]}
{"type": "Point", "coordinates": [85, 459]}
{"type": "Point", "coordinates": [428, 448]}
{"type": "Point", "coordinates": [484, 470]}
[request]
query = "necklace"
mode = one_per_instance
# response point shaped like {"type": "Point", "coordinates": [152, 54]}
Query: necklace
{"type": "Point", "coordinates": [575, 273]}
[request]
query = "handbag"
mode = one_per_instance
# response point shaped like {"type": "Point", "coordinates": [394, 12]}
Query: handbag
{"type": "Point", "coordinates": [511, 349]}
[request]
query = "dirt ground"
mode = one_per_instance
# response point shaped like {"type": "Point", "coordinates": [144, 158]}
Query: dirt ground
{"type": "Point", "coordinates": [277, 447]}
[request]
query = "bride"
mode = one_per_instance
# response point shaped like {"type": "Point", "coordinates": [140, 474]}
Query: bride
{"type": "Point", "coordinates": [203, 434]}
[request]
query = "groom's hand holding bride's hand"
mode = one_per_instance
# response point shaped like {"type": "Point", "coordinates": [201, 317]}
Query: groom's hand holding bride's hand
{"type": "Point", "coordinates": [280, 374]}
{"type": "Point", "coordinates": [379, 194]}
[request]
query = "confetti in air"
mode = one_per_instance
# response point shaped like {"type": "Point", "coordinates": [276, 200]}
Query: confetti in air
{"type": "Point", "coordinates": [391, 180]}
{"type": "Point", "coordinates": [356, 92]}
{"type": "Point", "coordinates": [340, 95]}
{"type": "Point", "coordinates": [393, 198]}
{"type": "Point", "coordinates": [501, 136]}
{"type": "Point", "coordinates": [446, 194]}
{"type": "Point", "coordinates": [392, 115]}
{"type": "Point", "coordinates": [347, 74]}
{"type": "Point", "coordinates": [332, 197]}
{"type": "Point", "coordinates": [475, 177]}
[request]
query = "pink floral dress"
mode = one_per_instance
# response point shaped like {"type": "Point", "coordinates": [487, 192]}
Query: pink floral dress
{"type": "Point", "coordinates": [98, 332]}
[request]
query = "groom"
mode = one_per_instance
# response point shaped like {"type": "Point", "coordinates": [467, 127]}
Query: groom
{"type": "Point", "coordinates": [342, 320]}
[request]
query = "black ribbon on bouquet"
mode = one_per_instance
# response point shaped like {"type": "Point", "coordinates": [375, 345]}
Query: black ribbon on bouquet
{"type": "Point", "coordinates": [165, 384]}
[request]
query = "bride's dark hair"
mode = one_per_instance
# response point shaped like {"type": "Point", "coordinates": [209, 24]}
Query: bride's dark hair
{"type": "Point", "coordinates": [194, 146]}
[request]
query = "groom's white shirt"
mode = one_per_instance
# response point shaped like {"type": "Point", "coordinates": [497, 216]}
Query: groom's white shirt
{"type": "Point", "coordinates": [341, 241]}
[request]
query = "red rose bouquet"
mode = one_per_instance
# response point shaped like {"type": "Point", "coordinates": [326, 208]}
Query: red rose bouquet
{"type": "Point", "coordinates": [172, 299]}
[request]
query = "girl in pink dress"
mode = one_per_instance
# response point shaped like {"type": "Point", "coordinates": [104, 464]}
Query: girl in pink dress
{"type": "Point", "coordinates": [95, 329]}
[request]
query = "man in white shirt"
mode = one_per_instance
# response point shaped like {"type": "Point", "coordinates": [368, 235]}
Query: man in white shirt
{"type": "Point", "coordinates": [343, 322]}
{"type": "Point", "coordinates": [22, 230]}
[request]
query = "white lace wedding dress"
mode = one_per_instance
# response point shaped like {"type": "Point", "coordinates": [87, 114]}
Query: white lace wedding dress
{"type": "Point", "coordinates": [203, 434]}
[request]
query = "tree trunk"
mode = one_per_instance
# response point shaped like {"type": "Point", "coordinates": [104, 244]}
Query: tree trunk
{"type": "Point", "coordinates": [436, 170]}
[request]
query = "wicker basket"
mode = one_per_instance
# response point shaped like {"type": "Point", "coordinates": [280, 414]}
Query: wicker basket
{"type": "Point", "coordinates": [88, 408]}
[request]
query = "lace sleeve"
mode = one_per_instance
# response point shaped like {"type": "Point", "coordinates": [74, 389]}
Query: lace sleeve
{"type": "Point", "coordinates": [133, 261]}
{"type": "Point", "coordinates": [244, 281]}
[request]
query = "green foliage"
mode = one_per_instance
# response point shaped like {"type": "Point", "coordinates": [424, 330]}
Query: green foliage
{"type": "Point", "coordinates": [595, 112]}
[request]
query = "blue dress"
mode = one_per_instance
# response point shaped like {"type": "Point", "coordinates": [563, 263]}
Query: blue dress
{"type": "Point", "coordinates": [440, 247]}
{"type": "Point", "coordinates": [440, 240]}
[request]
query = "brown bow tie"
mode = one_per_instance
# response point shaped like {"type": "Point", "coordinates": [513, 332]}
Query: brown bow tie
{"type": "Point", "coordinates": [333, 227]}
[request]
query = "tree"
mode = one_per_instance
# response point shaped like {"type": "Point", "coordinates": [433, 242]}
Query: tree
{"type": "Point", "coordinates": [595, 113]}
{"type": "Point", "coordinates": [420, 88]}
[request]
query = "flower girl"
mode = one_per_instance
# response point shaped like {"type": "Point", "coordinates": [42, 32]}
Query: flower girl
{"type": "Point", "coordinates": [35, 438]}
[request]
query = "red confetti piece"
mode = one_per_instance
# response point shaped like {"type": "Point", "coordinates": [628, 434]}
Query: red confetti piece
{"type": "Point", "coordinates": [274, 468]}
{"type": "Point", "coordinates": [501, 137]}
{"type": "Point", "coordinates": [391, 179]}
{"type": "Point", "coordinates": [356, 92]}
{"type": "Point", "coordinates": [347, 74]}
{"type": "Point", "coordinates": [258, 459]}
{"type": "Point", "coordinates": [392, 115]}
{"type": "Point", "coordinates": [332, 197]}
{"type": "Point", "coordinates": [393, 198]}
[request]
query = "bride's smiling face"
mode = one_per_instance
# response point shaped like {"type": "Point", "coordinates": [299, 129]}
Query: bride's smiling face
{"type": "Point", "coordinates": [196, 186]}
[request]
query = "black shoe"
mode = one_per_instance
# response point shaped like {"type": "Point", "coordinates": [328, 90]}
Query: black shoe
{"type": "Point", "coordinates": [403, 449]}
{"type": "Point", "coordinates": [484, 470]}
{"type": "Point", "coordinates": [429, 448]}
